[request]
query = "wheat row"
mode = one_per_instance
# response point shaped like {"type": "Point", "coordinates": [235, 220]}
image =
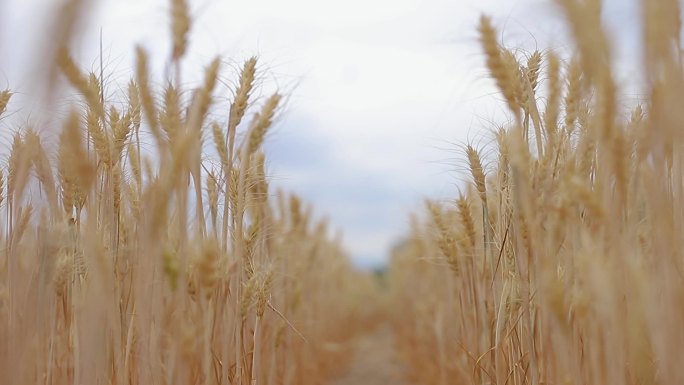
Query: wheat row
{"type": "Point", "coordinates": [560, 262]}
{"type": "Point", "coordinates": [142, 244]}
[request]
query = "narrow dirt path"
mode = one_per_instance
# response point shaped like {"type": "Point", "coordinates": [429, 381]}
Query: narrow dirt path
{"type": "Point", "coordinates": [375, 361]}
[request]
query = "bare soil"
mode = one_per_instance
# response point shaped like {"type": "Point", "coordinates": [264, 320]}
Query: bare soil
{"type": "Point", "coordinates": [375, 361]}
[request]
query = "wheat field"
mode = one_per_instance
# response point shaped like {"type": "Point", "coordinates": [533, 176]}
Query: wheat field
{"type": "Point", "coordinates": [143, 243]}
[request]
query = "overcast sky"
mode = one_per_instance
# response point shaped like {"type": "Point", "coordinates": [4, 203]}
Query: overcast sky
{"type": "Point", "coordinates": [381, 92]}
